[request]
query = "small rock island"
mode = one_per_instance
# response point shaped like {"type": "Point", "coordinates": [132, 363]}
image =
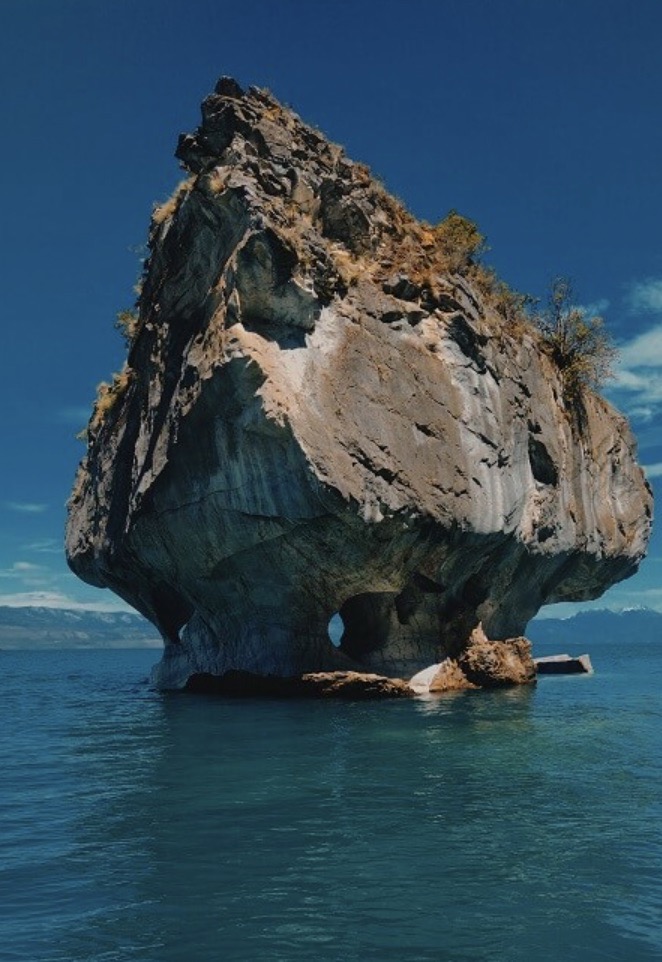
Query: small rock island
{"type": "Point", "coordinates": [329, 407]}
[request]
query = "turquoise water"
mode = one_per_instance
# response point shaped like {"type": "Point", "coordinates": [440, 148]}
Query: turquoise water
{"type": "Point", "coordinates": [481, 827]}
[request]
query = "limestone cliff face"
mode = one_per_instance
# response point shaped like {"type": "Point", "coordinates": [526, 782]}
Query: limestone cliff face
{"type": "Point", "coordinates": [318, 415]}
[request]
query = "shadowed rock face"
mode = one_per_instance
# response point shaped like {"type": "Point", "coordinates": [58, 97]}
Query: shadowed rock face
{"type": "Point", "coordinates": [315, 417]}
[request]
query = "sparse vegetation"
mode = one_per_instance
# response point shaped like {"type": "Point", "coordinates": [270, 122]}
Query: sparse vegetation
{"type": "Point", "coordinates": [217, 179]}
{"type": "Point", "coordinates": [273, 113]}
{"type": "Point", "coordinates": [107, 397]}
{"type": "Point", "coordinates": [581, 348]}
{"type": "Point", "coordinates": [162, 212]}
{"type": "Point", "coordinates": [128, 324]}
{"type": "Point", "coordinates": [579, 344]}
{"type": "Point", "coordinates": [350, 267]}
{"type": "Point", "coordinates": [512, 305]}
{"type": "Point", "coordinates": [459, 241]}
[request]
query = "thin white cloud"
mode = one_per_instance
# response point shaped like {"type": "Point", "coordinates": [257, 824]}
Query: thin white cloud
{"type": "Point", "coordinates": [645, 350]}
{"type": "Point", "coordinates": [643, 414]}
{"type": "Point", "coordinates": [26, 507]}
{"type": "Point", "coordinates": [639, 371]}
{"type": "Point", "coordinates": [595, 307]}
{"type": "Point", "coordinates": [629, 381]}
{"type": "Point", "coordinates": [646, 296]}
{"type": "Point", "coordinates": [56, 599]}
{"type": "Point", "coordinates": [653, 470]}
{"type": "Point", "coordinates": [638, 381]}
{"type": "Point", "coordinates": [45, 546]}
{"type": "Point", "coordinates": [646, 598]}
{"type": "Point", "coordinates": [20, 569]}
{"type": "Point", "coordinates": [645, 390]}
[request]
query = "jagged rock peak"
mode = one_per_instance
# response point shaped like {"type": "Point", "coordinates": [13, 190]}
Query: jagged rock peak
{"type": "Point", "coordinates": [312, 195]}
{"type": "Point", "coordinates": [328, 406]}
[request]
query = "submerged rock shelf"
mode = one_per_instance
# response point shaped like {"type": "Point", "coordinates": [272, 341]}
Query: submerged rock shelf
{"type": "Point", "coordinates": [324, 410]}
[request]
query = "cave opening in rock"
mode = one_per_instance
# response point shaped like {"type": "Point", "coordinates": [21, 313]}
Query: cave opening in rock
{"type": "Point", "coordinates": [335, 628]}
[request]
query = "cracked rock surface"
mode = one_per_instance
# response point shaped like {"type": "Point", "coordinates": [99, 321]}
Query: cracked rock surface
{"type": "Point", "coordinates": [314, 418]}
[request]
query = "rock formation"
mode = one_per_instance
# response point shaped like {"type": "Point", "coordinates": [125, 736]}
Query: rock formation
{"type": "Point", "coordinates": [324, 410]}
{"type": "Point", "coordinates": [482, 663]}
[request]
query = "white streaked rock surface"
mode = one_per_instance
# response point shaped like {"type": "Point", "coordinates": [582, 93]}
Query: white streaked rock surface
{"type": "Point", "coordinates": [296, 439]}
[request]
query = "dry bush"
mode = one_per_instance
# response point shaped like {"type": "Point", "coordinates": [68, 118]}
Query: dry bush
{"type": "Point", "coordinates": [217, 179]}
{"type": "Point", "coordinates": [579, 344]}
{"type": "Point", "coordinates": [162, 212]}
{"type": "Point", "coordinates": [107, 397]}
{"type": "Point", "coordinates": [513, 306]}
{"type": "Point", "coordinates": [128, 324]}
{"type": "Point", "coordinates": [351, 268]}
{"type": "Point", "coordinates": [458, 241]}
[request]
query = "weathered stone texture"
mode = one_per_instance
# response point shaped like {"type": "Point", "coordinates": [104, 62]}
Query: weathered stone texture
{"type": "Point", "coordinates": [481, 663]}
{"type": "Point", "coordinates": [317, 419]}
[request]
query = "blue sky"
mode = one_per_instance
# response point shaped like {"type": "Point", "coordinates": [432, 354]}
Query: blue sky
{"type": "Point", "coordinates": [541, 119]}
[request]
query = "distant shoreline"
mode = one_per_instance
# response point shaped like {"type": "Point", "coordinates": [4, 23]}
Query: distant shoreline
{"type": "Point", "coordinates": [65, 629]}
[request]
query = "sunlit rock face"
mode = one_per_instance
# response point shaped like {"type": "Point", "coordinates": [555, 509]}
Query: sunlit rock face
{"type": "Point", "coordinates": [316, 417]}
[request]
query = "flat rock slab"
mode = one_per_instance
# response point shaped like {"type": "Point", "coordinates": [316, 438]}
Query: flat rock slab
{"type": "Point", "coordinates": [564, 665]}
{"type": "Point", "coordinates": [348, 685]}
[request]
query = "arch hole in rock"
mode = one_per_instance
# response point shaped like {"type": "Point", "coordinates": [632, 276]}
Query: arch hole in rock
{"type": "Point", "coordinates": [368, 619]}
{"type": "Point", "coordinates": [335, 629]}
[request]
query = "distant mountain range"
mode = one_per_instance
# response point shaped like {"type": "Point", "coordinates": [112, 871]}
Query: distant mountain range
{"type": "Point", "coordinates": [589, 628]}
{"type": "Point", "coordinates": [68, 628]}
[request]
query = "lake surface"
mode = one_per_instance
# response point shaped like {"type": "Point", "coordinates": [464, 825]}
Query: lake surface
{"type": "Point", "coordinates": [477, 827]}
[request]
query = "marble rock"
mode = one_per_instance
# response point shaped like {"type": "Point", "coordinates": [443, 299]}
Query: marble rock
{"type": "Point", "coordinates": [319, 414]}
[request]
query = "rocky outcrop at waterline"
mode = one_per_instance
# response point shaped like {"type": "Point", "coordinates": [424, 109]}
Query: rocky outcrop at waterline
{"type": "Point", "coordinates": [326, 409]}
{"type": "Point", "coordinates": [344, 685]}
{"type": "Point", "coordinates": [482, 663]}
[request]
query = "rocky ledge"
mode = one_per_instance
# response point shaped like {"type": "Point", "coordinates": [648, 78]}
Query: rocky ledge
{"type": "Point", "coordinates": [326, 407]}
{"type": "Point", "coordinates": [346, 685]}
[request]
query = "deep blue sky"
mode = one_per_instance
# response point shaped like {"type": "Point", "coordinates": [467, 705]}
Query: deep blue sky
{"type": "Point", "coordinates": [541, 119]}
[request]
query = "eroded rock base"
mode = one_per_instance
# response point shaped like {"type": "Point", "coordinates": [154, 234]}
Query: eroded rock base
{"type": "Point", "coordinates": [483, 664]}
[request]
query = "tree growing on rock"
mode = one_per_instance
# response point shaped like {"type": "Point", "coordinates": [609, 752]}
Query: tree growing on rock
{"type": "Point", "coordinates": [459, 240]}
{"type": "Point", "coordinates": [580, 346]}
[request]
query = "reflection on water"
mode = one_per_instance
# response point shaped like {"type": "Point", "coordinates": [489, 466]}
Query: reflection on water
{"type": "Point", "coordinates": [513, 825]}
